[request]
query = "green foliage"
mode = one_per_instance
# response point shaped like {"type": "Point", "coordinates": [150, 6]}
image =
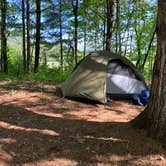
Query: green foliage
{"type": "Point", "coordinates": [136, 24]}
{"type": "Point", "coordinates": [15, 61]}
{"type": "Point", "coordinates": [45, 75]}
{"type": "Point", "coordinates": [48, 75]}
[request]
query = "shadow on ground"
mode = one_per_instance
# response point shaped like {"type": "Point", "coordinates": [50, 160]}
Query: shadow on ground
{"type": "Point", "coordinates": [38, 136]}
{"type": "Point", "coordinates": [28, 136]}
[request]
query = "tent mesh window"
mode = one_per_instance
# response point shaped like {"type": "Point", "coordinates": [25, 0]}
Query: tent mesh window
{"type": "Point", "coordinates": [121, 80]}
{"type": "Point", "coordinates": [118, 67]}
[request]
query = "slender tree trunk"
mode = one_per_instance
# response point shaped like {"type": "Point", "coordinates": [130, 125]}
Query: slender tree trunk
{"type": "Point", "coordinates": [96, 35]}
{"type": "Point", "coordinates": [126, 41]}
{"type": "Point", "coordinates": [139, 53]}
{"type": "Point", "coordinates": [110, 14]}
{"type": "Point", "coordinates": [138, 41]}
{"type": "Point", "coordinates": [37, 44]}
{"type": "Point", "coordinates": [28, 35]}
{"type": "Point", "coordinates": [23, 36]}
{"type": "Point", "coordinates": [119, 30]}
{"type": "Point", "coordinates": [131, 43]}
{"type": "Point", "coordinates": [32, 50]}
{"type": "Point", "coordinates": [97, 27]}
{"type": "Point", "coordinates": [85, 37]}
{"type": "Point", "coordinates": [127, 30]}
{"type": "Point", "coordinates": [138, 48]}
{"type": "Point", "coordinates": [104, 27]}
{"type": "Point", "coordinates": [117, 35]}
{"type": "Point", "coordinates": [4, 60]}
{"type": "Point", "coordinates": [45, 58]}
{"type": "Point", "coordinates": [149, 47]}
{"type": "Point", "coordinates": [138, 35]}
{"type": "Point", "coordinates": [60, 27]}
{"type": "Point", "coordinates": [75, 11]}
{"type": "Point", "coordinates": [154, 116]}
{"type": "Point", "coordinates": [85, 26]}
{"type": "Point", "coordinates": [70, 49]}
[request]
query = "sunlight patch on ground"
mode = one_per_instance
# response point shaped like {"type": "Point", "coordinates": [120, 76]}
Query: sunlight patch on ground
{"type": "Point", "coordinates": [4, 156]}
{"type": "Point", "coordinates": [53, 162]}
{"type": "Point", "coordinates": [9, 126]}
{"type": "Point", "coordinates": [153, 160]}
{"type": "Point", "coordinates": [106, 139]}
{"type": "Point", "coordinates": [6, 141]}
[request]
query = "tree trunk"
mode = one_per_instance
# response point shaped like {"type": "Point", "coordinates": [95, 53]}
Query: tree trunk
{"type": "Point", "coordinates": [138, 42]}
{"type": "Point", "coordinates": [110, 14]}
{"type": "Point", "coordinates": [131, 44]}
{"type": "Point", "coordinates": [104, 27]}
{"type": "Point", "coordinates": [128, 31]}
{"type": "Point", "coordinates": [117, 35]}
{"type": "Point", "coordinates": [75, 11]}
{"type": "Point", "coordinates": [60, 28]}
{"type": "Point", "coordinates": [154, 116]}
{"type": "Point", "coordinates": [37, 44]}
{"type": "Point", "coordinates": [96, 35]}
{"type": "Point", "coordinates": [28, 35]}
{"type": "Point", "coordinates": [85, 37]}
{"type": "Point", "coordinates": [149, 47]}
{"type": "Point", "coordinates": [45, 58]}
{"type": "Point", "coordinates": [126, 41]}
{"type": "Point", "coordinates": [23, 36]}
{"type": "Point", "coordinates": [4, 61]}
{"type": "Point", "coordinates": [85, 26]}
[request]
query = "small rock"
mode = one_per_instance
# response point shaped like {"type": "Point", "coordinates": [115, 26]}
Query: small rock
{"type": "Point", "coordinates": [162, 158]}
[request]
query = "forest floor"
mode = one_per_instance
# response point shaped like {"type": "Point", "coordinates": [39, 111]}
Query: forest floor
{"type": "Point", "coordinates": [38, 128]}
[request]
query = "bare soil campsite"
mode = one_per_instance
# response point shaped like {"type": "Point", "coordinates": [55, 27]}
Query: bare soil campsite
{"type": "Point", "coordinates": [39, 128]}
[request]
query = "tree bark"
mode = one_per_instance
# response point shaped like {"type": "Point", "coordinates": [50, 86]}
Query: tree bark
{"type": "Point", "coordinates": [28, 35]}
{"type": "Point", "coordinates": [4, 60]}
{"type": "Point", "coordinates": [104, 28]}
{"type": "Point", "coordinates": [37, 44]}
{"type": "Point", "coordinates": [85, 37]}
{"type": "Point", "coordinates": [139, 34]}
{"type": "Point", "coordinates": [117, 34]}
{"type": "Point", "coordinates": [138, 42]}
{"type": "Point", "coordinates": [129, 33]}
{"type": "Point", "coordinates": [60, 28]}
{"type": "Point", "coordinates": [96, 35]}
{"type": "Point", "coordinates": [23, 36]}
{"type": "Point", "coordinates": [154, 116]}
{"type": "Point", "coordinates": [131, 43]}
{"type": "Point", "coordinates": [110, 14]}
{"type": "Point", "coordinates": [126, 41]}
{"type": "Point", "coordinates": [75, 11]}
{"type": "Point", "coordinates": [85, 26]}
{"type": "Point", "coordinates": [149, 47]}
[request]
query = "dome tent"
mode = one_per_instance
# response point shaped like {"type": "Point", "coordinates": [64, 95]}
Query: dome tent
{"type": "Point", "coordinates": [103, 73]}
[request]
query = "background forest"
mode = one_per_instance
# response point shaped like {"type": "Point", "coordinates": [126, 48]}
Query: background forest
{"type": "Point", "coordinates": [49, 37]}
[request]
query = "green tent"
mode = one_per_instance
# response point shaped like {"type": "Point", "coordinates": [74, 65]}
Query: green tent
{"type": "Point", "coordinates": [102, 73]}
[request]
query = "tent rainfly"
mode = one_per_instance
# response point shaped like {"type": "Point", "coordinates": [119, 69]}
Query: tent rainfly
{"type": "Point", "coordinates": [103, 73]}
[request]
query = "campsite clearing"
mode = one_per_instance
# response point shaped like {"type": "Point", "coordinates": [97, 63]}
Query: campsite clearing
{"type": "Point", "coordinates": [39, 128]}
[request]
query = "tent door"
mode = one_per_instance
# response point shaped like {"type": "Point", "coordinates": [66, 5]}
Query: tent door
{"type": "Point", "coordinates": [121, 80]}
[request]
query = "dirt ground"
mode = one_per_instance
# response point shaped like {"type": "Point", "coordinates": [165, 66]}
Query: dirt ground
{"type": "Point", "coordinates": [38, 128]}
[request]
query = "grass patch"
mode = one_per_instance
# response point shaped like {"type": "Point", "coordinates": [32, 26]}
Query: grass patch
{"type": "Point", "coordinates": [44, 75]}
{"type": "Point", "coordinates": [12, 92]}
